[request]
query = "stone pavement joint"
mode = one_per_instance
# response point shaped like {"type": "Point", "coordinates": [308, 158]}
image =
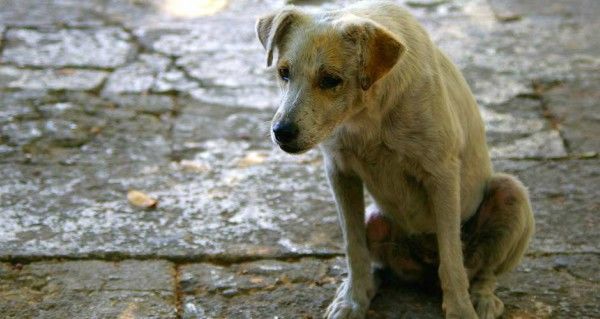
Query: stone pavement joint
{"type": "Point", "coordinates": [178, 291]}
{"type": "Point", "coordinates": [3, 30]}
{"type": "Point", "coordinates": [175, 259]}
{"type": "Point", "coordinates": [540, 88]}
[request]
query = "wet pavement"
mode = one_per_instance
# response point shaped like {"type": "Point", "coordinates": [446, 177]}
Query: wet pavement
{"type": "Point", "coordinates": [101, 97]}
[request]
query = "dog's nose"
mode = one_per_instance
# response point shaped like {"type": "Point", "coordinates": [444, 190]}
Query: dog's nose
{"type": "Point", "coordinates": [285, 132]}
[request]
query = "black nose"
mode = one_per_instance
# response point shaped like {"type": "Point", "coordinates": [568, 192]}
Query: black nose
{"type": "Point", "coordinates": [285, 132]}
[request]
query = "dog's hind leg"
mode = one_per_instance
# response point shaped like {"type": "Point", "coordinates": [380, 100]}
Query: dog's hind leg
{"type": "Point", "coordinates": [391, 249]}
{"type": "Point", "coordinates": [496, 239]}
{"type": "Point", "coordinates": [387, 251]}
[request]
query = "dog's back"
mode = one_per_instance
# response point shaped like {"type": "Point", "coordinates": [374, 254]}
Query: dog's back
{"type": "Point", "coordinates": [438, 111]}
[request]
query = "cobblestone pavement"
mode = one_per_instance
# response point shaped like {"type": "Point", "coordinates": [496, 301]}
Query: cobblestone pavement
{"type": "Point", "coordinates": [103, 96]}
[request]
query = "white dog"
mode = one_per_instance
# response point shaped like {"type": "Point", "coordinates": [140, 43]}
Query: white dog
{"type": "Point", "coordinates": [392, 113]}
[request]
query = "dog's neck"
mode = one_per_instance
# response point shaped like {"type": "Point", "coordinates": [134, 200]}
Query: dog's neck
{"type": "Point", "coordinates": [390, 103]}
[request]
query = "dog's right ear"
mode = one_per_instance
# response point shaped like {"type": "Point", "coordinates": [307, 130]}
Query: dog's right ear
{"type": "Point", "coordinates": [271, 28]}
{"type": "Point", "coordinates": [378, 49]}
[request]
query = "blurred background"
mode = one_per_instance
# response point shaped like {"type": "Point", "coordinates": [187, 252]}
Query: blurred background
{"type": "Point", "coordinates": [138, 180]}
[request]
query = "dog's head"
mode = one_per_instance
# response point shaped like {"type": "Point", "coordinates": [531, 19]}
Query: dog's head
{"type": "Point", "coordinates": [325, 65]}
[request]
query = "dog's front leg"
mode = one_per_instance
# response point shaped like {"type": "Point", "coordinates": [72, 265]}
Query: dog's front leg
{"type": "Point", "coordinates": [354, 294]}
{"type": "Point", "coordinates": [444, 190]}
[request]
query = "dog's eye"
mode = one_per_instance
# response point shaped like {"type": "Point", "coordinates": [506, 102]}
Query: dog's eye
{"type": "Point", "coordinates": [329, 82]}
{"type": "Point", "coordinates": [284, 73]}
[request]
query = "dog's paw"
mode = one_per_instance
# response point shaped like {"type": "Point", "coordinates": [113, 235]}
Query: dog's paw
{"type": "Point", "coordinates": [488, 306]}
{"type": "Point", "coordinates": [349, 303]}
{"type": "Point", "coordinates": [345, 309]}
{"type": "Point", "coordinates": [459, 310]}
{"type": "Point", "coordinates": [461, 314]}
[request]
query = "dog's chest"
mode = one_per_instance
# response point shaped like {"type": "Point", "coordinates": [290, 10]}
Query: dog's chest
{"type": "Point", "coordinates": [393, 183]}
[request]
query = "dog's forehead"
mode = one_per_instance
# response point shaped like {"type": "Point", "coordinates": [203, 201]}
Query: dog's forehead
{"type": "Point", "coordinates": [316, 45]}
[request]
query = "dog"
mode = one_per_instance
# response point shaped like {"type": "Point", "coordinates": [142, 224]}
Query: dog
{"type": "Point", "coordinates": [392, 114]}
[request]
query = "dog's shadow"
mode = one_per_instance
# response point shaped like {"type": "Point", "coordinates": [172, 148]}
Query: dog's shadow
{"type": "Point", "coordinates": [397, 299]}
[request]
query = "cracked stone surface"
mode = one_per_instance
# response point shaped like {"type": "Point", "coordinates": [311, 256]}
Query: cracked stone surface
{"type": "Point", "coordinates": [32, 13]}
{"type": "Point", "coordinates": [517, 129]}
{"type": "Point", "coordinates": [574, 105]}
{"type": "Point", "coordinates": [230, 69]}
{"type": "Point", "coordinates": [58, 79]}
{"type": "Point", "coordinates": [100, 47]}
{"type": "Point", "coordinates": [565, 202]}
{"type": "Point", "coordinates": [549, 288]}
{"type": "Point", "coordinates": [254, 289]}
{"type": "Point", "coordinates": [105, 96]}
{"type": "Point", "coordinates": [137, 77]}
{"type": "Point", "coordinates": [235, 123]}
{"type": "Point", "coordinates": [299, 289]}
{"type": "Point", "coordinates": [251, 97]}
{"type": "Point", "coordinates": [87, 289]}
{"type": "Point", "coordinates": [287, 289]}
{"type": "Point", "coordinates": [211, 203]}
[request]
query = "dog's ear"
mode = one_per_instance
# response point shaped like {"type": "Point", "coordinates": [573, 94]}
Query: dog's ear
{"type": "Point", "coordinates": [271, 28]}
{"type": "Point", "coordinates": [379, 50]}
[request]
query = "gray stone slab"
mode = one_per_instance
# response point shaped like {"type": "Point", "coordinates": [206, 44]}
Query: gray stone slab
{"type": "Point", "coordinates": [574, 105]}
{"type": "Point", "coordinates": [81, 128]}
{"type": "Point", "coordinates": [50, 79]}
{"type": "Point", "coordinates": [224, 200]}
{"type": "Point", "coordinates": [51, 12]}
{"type": "Point", "coordinates": [174, 80]}
{"type": "Point", "coordinates": [88, 289]}
{"type": "Point", "coordinates": [565, 203]}
{"type": "Point", "coordinates": [21, 133]}
{"type": "Point", "coordinates": [464, 33]}
{"type": "Point", "coordinates": [144, 103]}
{"type": "Point", "coordinates": [191, 38]}
{"type": "Point", "coordinates": [100, 47]}
{"type": "Point", "coordinates": [566, 9]}
{"type": "Point", "coordinates": [545, 144]}
{"type": "Point", "coordinates": [245, 201]}
{"type": "Point", "coordinates": [149, 73]}
{"type": "Point", "coordinates": [250, 97]}
{"type": "Point", "coordinates": [128, 139]}
{"type": "Point", "coordinates": [137, 77]}
{"type": "Point", "coordinates": [197, 123]}
{"type": "Point", "coordinates": [499, 60]}
{"type": "Point", "coordinates": [19, 121]}
{"type": "Point", "coordinates": [517, 128]}
{"type": "Point", "coordinates": [251, 290]}
{"type": "Point", "coordinates": [580, 266]}
{"type": "Point", "coordinates": [518, 118]}
{"type": "Point", "coordinates": [231, 68]}
{"type": "Point", "coordinates": [17, 105]}
{"type": "Point", "coordinates": [538, 289]}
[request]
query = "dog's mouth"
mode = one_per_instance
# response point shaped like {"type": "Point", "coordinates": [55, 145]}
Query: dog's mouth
{"type": "Point", "coordinates": [294, 145]}
{"type": "Point", "coordinates": [292, 149]}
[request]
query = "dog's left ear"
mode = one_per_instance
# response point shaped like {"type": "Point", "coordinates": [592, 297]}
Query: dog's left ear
{"type": "Point", "coordinates": [379, 50]}
{"type": "Point", "coordinates": [270, 29]}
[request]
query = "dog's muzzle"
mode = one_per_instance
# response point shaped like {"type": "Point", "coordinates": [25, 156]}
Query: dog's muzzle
{"type": "Point", "coordinates": [285, 132]}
